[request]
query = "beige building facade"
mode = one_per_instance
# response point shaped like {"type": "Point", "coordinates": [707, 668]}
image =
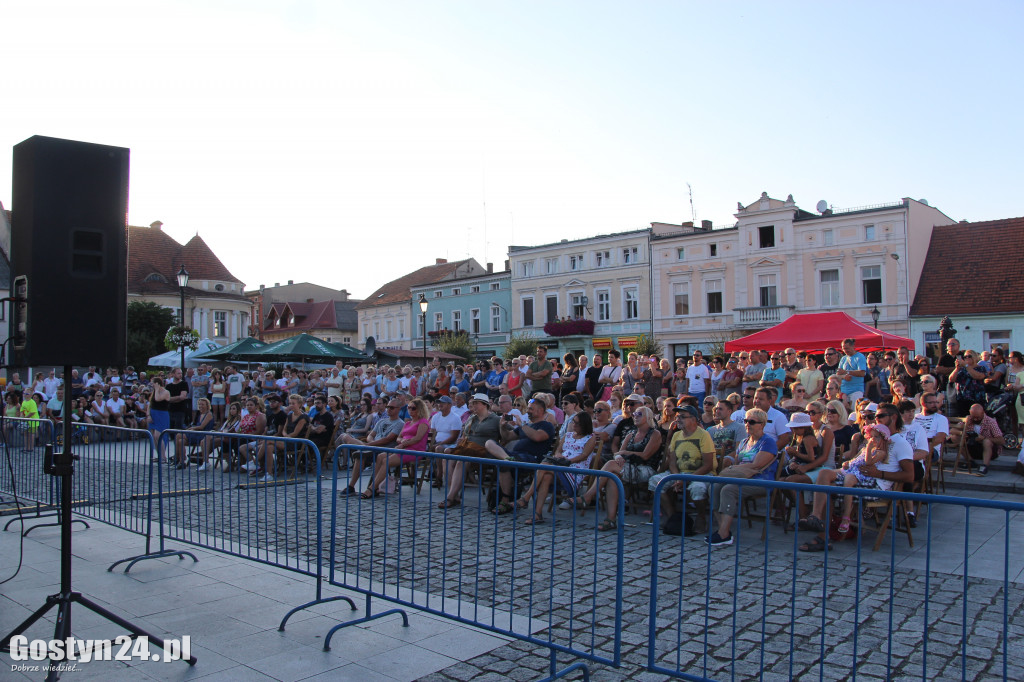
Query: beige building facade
{"type": "Point", "coordinates": [715, 284]}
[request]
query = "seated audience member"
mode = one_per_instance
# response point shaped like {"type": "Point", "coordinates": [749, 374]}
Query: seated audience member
{"type": "Point", "coordinates": [575, 450]}
{"type": "Point", "coordinates": [385, 433]}
{"type": "Point", "coordinates": [726, 433]}
{"type": "Point", "coordinates": [321, 426]}
{"type": "Point", "coordinates": [413, 438]}
{"type": "Point", "coordinates": [183, 441]}
{"type": "Point", "coordinates": [984, 440]}
{"type": "Point", "coordinates": [482, 427]}
{"type": "Point", "coordinates": [526, 443]}
{"type": "Point", "coordinates": [691, 450]}
{"type": "Point", "coordinates": [757, 458]}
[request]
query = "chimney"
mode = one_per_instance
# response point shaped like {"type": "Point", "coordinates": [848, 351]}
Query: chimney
{"type": "Point", "coordinates": [507, 266]}
{"type": "Point", "coordinates": [490, 267]}
{"type": "Point", "coordinates": [705, 224]}
{"type": "Point", "coordinates": [439, 261]}
{"type": "Point", "coordinates": [156, 225]}
{"type": "Point", "coordinates": [309, 300]}
{"type": "Point", "coordinates": [291, 281]}
{"type": "Point", "coordinates": [688, 223]}
{"type": "Point", "coordinates": [343, 294]}
{"type": "Point", "coordinates": [277, 284]}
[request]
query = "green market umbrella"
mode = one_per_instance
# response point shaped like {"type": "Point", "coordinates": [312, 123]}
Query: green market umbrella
{"type": "Point", "coordinates": [302, 348]}
{"type": "Point", "coordinates": [233, 351]}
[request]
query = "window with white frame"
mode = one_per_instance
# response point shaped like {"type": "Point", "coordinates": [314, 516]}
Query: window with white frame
{"type": "Point", "coordinates": [713, 293]}
{"type": "Point", "coordinates": [871, 283]}
{"type": "Point", "coordinates": [346, 339]}
{"type": "Point", "coordinates": [475, 289]}
{"type": "Point", "coordinates": [437, 294]}
{"type": "Point", "coordinates": [387, 329]}
{"type": "Point", "coordinates": [681, 253]}
{"type": "Point", "coordinates": [495, 286]}
{"type": "Point", "coordinates": [376, 329]}
{"type": "Point", "coordinates": [829, 237]}
{"type": "Point", "coordinates": [366, 329]}
{"type": "Point", "coordinates": [576, 262]}
{"type": "Point", "coordinates": [681, 298]}
{"type": "Point", "coordinates": [456, 320]}
{"type": "Point", "coordinates": [550, 266]}
{"type": "Point", "coordinates": [630, 255]}
{"type": "Point", "coordinates": [631, 303]}
{"type": "Point", "coordinates": [401, 328]}
{"type": "Point", "coordinates": [495, 318]}
{"type": "Point", "coordinates": [551, 308]}
{"type": "Point", "coordinates": [474, 321]}
{"type": "Point", "coordinates": [768, 291]}
{"type": "Point", "coordinates": [766, 236]}
{"type": "Point", "coordinates": [869, 233]}
{"type": "Point", "coordinates": [999, 338]}
{"type": "Point", "coordinates": [604, 305]}
{"type": "Point", "coordinates": [526, 267]}
{"type": "Point", "coordinates": [829, 287]}
{"type": "Point", "coordinates": [528, 311]}
{"type": "Point", "coordinates": [220, 323]}
{"type": "Point", "coordinates": [713, 250]}
{"type": "Point", "coordinates": [438, 321]}
{"type": "Point", "coordinates": [578, 309]}
{"type": "Point", "coordinates": [602, 258]}
{"type": "Point", "coordinates": [456, 291]}
{"type": "Point", "coordinates": [419, 326]}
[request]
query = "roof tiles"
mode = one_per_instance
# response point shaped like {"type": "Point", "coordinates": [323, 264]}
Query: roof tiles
{"type": "Point", "coordinates": [972, 269]}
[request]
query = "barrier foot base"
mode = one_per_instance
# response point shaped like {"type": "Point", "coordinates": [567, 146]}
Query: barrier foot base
{"type": "Point", "coordinates": [180, 553]}
{"type": "Point", "coordinates": [55, 525]}
{"type": "Point", "coordinates": [364, 619]}
{"type": "Point", "coordinates": [556, 674]}
{"type": "Point", "coordinates": [280, 628]}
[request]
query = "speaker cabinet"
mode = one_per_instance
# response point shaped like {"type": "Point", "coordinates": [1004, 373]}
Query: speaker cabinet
{"type": "Point", "coordinates": [69, 253]}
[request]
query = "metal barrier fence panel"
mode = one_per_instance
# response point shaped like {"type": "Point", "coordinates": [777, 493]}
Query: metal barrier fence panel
{"type": "Point", "coordinates": [219, 506]}
{"type": "Point", "coordinates": [556, 584]}
{"type": "Point", "coordinates": [951, 606]}
{"type": "Point", "coordinates": [21, 473]}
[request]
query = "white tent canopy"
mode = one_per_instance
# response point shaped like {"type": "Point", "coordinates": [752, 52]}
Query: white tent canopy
{"type": "Point", "coordinates": [172, 358]}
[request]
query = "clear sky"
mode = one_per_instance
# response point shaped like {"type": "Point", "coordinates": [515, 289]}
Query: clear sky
{"type": "Point", "coordinates": [348, 143]}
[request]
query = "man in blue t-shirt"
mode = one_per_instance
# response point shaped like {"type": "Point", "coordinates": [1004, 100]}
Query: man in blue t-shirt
{"type": "Point", "coordinates": [526, 443]}
{"type": "Point", "coordinates": [852, 368]}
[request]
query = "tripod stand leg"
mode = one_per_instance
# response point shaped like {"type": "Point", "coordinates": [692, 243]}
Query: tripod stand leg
{"type": "Point", "coordinates": [51, 601]}
{"type": "Point", "coordinates": [114, 618]}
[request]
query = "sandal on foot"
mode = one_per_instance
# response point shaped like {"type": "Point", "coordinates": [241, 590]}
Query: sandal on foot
{"type": "Point", "coordinates": [535, 520]}
{"type": "Point", "coordinates": [504, 507]}
{"type": "Point", "coordinates": [522, 504]}
{"type": "Point", "coordinates": [815, 545]}
{"type": "Point", "coordinates": [580, 503]}
{"type": "Point", "coordinates": [368, 494]}
{"type": "Point", "coordinates": [607, 524]}
{"type": "Point", "coordinates": [447, 504]}
{"type": "Point", "coordinates": [844, 525]}
{"type": "Point", "coordinates": [812, 522]}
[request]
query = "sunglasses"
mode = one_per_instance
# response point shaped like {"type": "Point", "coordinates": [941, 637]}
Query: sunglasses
{"type": "Point", "coordinates": [752, 421]}
{"type": "Point", "coordinates": [812, 412]}
{"type": "Point", "coordinates": [831, 411]}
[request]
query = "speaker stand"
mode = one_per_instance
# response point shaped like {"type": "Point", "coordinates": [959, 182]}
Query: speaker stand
{"type": "Point", "coordinates": [62, 466]}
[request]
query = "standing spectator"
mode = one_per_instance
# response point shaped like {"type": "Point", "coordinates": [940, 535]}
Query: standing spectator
{"type": "Point", "coordinates": [831, 364]}
{"type": "Point", "coordinates": [968, 384]}
{"type": "Point", "coordinates": [934, 423]}
{"type": "Point", "coordinates": [811, 378]}
{"type": "Point", "coordinates": [792, 364]}
{"type": "Point", "coordinates": [947, 362]}
{"type": "Point", "coordinates": [539, 372]}
{"type": "Point", "coordinates": [906, 370]}
{"type": "Point", "coordinates": [852, 368]}
{"type": "Point", "coordinates": [178, 401]}
{"type": "Point", "coordinates": [200, 389]}
{"type": "Point", "coordinates": [753, 371]}
{"type": "Point", "coordinates": [698, 378]}
{"type": "Point", "coordinates": [774, 376]}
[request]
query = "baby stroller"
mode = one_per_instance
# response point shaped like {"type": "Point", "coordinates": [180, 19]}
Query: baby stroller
{"type": "Point", "coordinates": [1001, 408]}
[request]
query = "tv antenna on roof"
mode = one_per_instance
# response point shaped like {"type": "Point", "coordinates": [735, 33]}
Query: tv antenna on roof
{"type": "Point", "coordinates": [693, 212]}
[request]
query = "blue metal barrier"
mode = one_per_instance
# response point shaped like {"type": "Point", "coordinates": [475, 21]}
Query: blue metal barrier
{"type": "Point", "coordinates": [22, 478]}
{"type": "Point", "coordinates": [221, 508]}
{"type": "Point", "coordinates": [761, 607]}
{"type": "Point", "coordinates": [555, 584]}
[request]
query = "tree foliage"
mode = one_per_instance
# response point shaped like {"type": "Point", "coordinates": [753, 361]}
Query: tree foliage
{"type": "Point", "coordinates": [646, 344]}
{"type": "Point", "coordinates": [454, 343]}
{"type": "Point", "coordinates": [520, 344]}
{"type": "Point", "coordinates": [147, 325]}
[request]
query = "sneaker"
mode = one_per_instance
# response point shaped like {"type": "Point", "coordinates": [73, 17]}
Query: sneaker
{"type": "Point", "coordinates": [566, 504]}
{"type": "Point", "coordinates": [248, 466]}
{"type": "Point", "coordinates": [982, 470]}
{"type": "Point", "coordinates": [266, 479]}
{"type": "Point", "coordinates": [202, 467]}
{"type": "Point", "coordinates": [715, 540]}
{"type": "Point", "coordinates": [912, 519]}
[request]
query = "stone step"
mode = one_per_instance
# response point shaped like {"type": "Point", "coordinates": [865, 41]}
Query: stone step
{"type": "Point", "coordinates": [998, 480]}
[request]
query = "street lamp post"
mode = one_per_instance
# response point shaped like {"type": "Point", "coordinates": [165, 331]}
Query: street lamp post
{"type": "Point", "coordinates": [182, 283]}
{"type": "Point", "coordinates": [423, 312]}
{"type": "Point", "coordinates": [875, 314]}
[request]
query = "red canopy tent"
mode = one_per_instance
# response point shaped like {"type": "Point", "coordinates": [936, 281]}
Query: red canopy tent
{"type": "Point", "coordinates": [814, 332]}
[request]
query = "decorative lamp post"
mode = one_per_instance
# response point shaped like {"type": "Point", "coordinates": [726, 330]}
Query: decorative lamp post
{"type": "Point", "coordinates": [946, 331]}
{"type": "Point", "coordinates": [182, 283]}
{"type": "Point", "coordinates": [423, 312]}
{"type": "Point", "coordinates": [875, 314]}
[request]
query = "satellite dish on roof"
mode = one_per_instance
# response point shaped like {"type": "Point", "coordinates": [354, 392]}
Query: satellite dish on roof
{"type": "Point", "coordinates": [822, 206]}
{"type": "Point", "coordinates": [370, 346]}
{"type": "Point", "coordinates": [924, 201]}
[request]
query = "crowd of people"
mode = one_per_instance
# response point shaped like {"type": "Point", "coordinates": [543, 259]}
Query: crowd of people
{"type": "Point", "coordinates": [844, 418]}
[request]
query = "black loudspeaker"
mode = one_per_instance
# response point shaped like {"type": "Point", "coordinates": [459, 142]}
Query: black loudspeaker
{"type": "Point", "coordinates": [69, 253]}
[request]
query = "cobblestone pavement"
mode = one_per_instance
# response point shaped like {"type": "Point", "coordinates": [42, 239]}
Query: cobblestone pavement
{"type": "Point", "coordinates": [556, 581]}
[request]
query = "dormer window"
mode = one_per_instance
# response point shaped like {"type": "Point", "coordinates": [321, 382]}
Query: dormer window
{"type": "Point", "coordinates": [156, 277]}
{"type": "Point", "coordinates": [218, 287]}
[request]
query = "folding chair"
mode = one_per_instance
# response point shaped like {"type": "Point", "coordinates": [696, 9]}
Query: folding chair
{"type": "Point", "coordinates": [902, 523]}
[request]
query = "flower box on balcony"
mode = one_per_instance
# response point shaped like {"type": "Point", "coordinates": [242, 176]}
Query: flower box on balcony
{"type": "Point", "coordinates": [464, 332]}
{"type": "Point", "coordinates": [570, 328]}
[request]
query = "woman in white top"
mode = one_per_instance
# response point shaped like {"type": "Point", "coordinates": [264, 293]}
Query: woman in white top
{"type": "Point", "coordinates": [576, 450]}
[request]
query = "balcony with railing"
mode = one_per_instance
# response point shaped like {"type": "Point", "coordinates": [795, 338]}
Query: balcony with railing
{"type": "Point", "coordinates": [762, 316]}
